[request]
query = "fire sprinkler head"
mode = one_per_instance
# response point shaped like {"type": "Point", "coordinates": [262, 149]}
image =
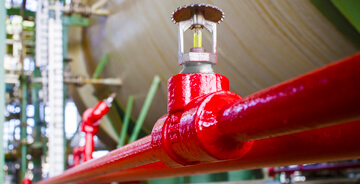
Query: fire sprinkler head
{"type": "Point", "coordinates": [110, 99]}
{"type": "Point", "coordinates": [197, 17]}
{"type": "Point", "coordinates": [210, 12]}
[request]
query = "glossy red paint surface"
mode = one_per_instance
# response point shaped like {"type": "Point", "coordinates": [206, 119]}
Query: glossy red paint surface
{"type": "Point", "coordinates": [132, 155]}
{"type": "Point", "coordinates": [191, 136]}
{"type": "Point", "coordinates": [91, 117]}
{"type": "Point", "coordinates": [335, 143]}
{"type": "Point", "coordinates": [86, 124]}
{"type": "Point", "coordinates": [183, 88]}
{"type": "Point", "coordinates": [323, 97]}
{"type": "Point", "coordinates": [188, 134]}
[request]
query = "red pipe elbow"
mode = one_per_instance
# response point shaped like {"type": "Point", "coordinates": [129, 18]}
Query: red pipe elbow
{"type": "Point", "coordinates": [189, 134]}
{"type": "Point", "coordinates": [90, 125]}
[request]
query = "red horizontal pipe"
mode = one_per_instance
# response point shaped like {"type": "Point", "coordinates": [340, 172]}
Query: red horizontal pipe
{"type": "Point", "coordinates": [324, 97]}
{"type": "Point", "coordinates": [339, 142]}
{"type": "Point", "coordinates": [321, 167]}
{"type": "Point", "coordinates": [132, 155]}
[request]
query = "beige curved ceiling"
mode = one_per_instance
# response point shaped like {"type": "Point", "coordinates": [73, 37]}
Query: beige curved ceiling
{"type": "Point", "coordinates": [260, 43]}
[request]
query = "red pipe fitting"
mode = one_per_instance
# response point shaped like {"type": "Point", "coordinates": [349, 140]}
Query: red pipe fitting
{"type": "Point", "coordinates": [188, 134]}
{"type": "Point", "coordinates": [90, 124]}
{"type": "Point", "coordinates": [92, 116]}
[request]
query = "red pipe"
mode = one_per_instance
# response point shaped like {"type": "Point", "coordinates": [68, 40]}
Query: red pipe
{"type": "Point", "coordinates": [132, 155]}
{"type": "Point", "coordinates": [90, 125]}
{"type": "Point", "coordinates": [190, 133]}
{"type": "Point", "coordinates": [77, 154]}
{"type": "Point", "coordinates": [323, 97]}
{"type": "Point", "coordinates": [89, 146]}
{"type": "Point", "coordinates": [335, 143]}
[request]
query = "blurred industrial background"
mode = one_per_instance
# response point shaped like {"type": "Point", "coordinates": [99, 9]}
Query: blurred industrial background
{"type": "Point", "coordinates": [81, 78]}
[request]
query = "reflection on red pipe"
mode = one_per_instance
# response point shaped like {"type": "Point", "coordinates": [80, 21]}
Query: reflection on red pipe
{"type": "Point", "coordinates": [201, 129]}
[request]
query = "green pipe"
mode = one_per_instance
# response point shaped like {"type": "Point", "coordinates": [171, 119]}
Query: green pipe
{"type": "Point", "coordinates": [203, 178]}
{"type": "Point", "coordinates": [175, 180]}
{"type": "Point", "coordinates": [126, 121]}
{"type": "Point", "coordinates": [65, 33]}
{"type": "Point", "coordinates": [35, 88]}
{"type": "Point", "coordinates": [145, 108]}
{"type": "Point", "coordinates": [121, 112]}
{"type": "Point", "coordinates": [241, 175]}
{"type": "Point", "coordinates": [23, 134]}
{"type": "Point", "coordinates": [2, 85]}
{"type": "Point", "coordinates": [63, 127]}
{"type": "Point", "coordinates": [350, 10]}
{"type": "Point", "coordinates": [100, 67]}
{"type": "Point", "coordinates": [334, 15]}
{"type": "Point", "coordinates": [17, 11]}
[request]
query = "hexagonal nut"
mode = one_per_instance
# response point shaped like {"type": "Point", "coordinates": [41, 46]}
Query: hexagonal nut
{"type": "Point", "coordinates": [198, 57]}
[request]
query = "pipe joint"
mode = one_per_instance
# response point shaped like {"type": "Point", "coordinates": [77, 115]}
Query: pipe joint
{"type": "Point", "coordinates": [183, 88]}
{"type": "Point", "coordinates": [189, 135]}
{"type": "Point", "coordinates": [91, 117]}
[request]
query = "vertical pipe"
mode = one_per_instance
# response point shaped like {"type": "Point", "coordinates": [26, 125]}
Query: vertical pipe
{"type": "Point", "coordinates": [63, 127]}
{"type": "Point", "coordinates": [23, 133]}
{"type": "Point", "coordinates": [65, 46]}
{"type": "Point", "coordinates": [126, 121]}
{"type": "Point", "coordinates": [145, 108]}
{"type": "Point", "coordinates": [214, 39]}
{"type": "Point", "coordinates": [23, 83]}
{"type": "Point", "coordinates": [89, 147]}
{"type": "Point", "coordinates": [35, 88]}
{"type": "Point", "coordinates": [2, 84]}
